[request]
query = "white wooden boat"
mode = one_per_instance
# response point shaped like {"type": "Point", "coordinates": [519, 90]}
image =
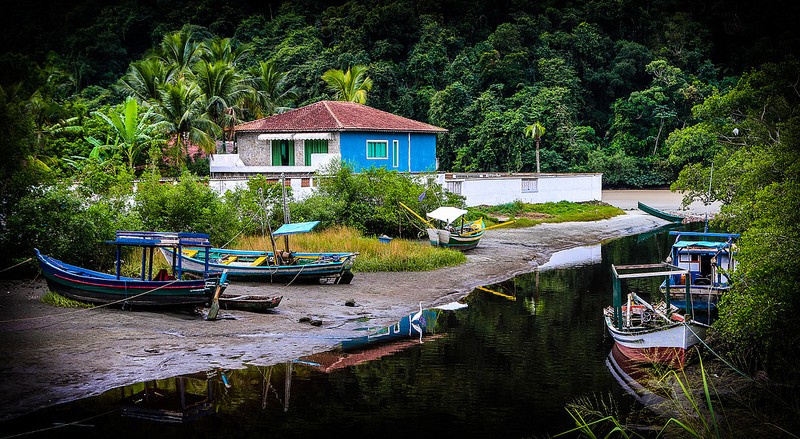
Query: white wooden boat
{"type": "Point", "coordinates": [650, 333]}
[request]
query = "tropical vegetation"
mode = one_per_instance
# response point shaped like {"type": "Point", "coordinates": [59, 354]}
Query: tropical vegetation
{"type": "Point", "coordinates": [108, 111]}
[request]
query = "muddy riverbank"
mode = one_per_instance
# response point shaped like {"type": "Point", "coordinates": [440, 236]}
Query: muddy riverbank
{"type": "Point", "coordinates": [54, 355]}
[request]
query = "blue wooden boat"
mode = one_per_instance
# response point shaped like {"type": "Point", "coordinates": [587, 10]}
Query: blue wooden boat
{"type": "Point", "coordinates": [165, 288]}
{"type": "Point", "coordinates": [660, 214]}
{"type": "Point", "coordinates": [262, 266]}
{"type": "Point", "coordinates": [709, 260]}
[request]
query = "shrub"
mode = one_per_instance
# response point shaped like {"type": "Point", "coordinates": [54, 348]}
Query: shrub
{"type": "Point", "coordinates": [61, 222]}
{"type": "Point", "coordinates": [370, 201]}
{"type": "Point", "coordinates": [188, 205]}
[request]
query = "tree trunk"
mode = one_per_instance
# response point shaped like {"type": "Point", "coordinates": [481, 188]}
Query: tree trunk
{"type": "Point", "coordinates": [537, 156]}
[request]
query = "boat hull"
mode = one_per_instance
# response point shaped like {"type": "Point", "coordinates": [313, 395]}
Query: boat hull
{"type": "Point", "coordinates": [447, 239]}
{"type": "Point", "coordinates": [101, 288]}
{"type": "Point", "coordinates": [659, 214]}
{"type": "Point", "coordinates": [663, 344]}
{"type": "Point", "coordinates": [248, 302]}
{"type": "Point", "coordinates": [333, 267]}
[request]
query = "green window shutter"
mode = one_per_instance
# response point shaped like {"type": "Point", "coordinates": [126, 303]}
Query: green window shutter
{"type": "Point", "coordinates": [276, 153]}
{"type": "Point", "coordinates": [376, 150]}
{"type": "Point", "coordinates": [283, 153]}
{"type": "Point", "coordinates": [314, 147]}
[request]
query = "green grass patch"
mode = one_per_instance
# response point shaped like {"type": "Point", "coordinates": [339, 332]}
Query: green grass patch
{"type": "Point", "coordinates": [397, 255]}
{"type": "Point", "coordinates": [55, 299]}
{"type": "Point", "coordinates": [527, 214]}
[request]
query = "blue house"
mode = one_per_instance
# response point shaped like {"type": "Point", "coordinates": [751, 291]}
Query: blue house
{"type": "Point", "coordinates": [300, 141]}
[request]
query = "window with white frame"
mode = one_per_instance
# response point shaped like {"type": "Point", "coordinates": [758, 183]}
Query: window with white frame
{"type": "Point", "coordinates": [377, 149]}
{"type": "Point", "coordinates": [530, 185]}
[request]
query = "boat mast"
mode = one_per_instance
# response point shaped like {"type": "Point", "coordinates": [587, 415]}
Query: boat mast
{"type": "Point", "coordinates": [286, 219]}
{"type": "Point", "coordinates": [708, 198]}
{"type": "Point", "coordinates": [266, 223]}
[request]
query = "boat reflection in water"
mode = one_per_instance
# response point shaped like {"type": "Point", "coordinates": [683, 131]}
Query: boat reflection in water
{"type": "Point", "coordinates": [388, 340]}
{"type": "Point", "coordinates": [632, 376]}
{"type": "Point", "coordinates": [175, 400]}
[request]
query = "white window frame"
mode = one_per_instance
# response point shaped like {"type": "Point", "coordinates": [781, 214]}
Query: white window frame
{"type": "Point", "coordinates": [395, 153]}
{"type": "Point", "coordinates": [529, 185]}
{"type": "Point", "coordinates": [454, 186]}
{"type": "Point", "coordinates": [366, 149]}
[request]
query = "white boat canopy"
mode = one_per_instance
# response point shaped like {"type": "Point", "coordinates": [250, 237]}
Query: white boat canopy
{"type": "Point", "coordinates": [447, 214]}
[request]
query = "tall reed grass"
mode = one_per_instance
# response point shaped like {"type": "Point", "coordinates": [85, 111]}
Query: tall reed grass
{"type": "Point", "coordinates": [373, 255]}
{"type": "Point", "coordinates": [696, 413]}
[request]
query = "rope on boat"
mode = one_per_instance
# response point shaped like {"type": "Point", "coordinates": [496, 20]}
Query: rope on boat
{"type": "Point", "coordinates": [17, 265]}
{"type": "Point", "coordinates": [237, 235]}
{"type": "Point", "coordinates": [302, 267]}
{"type": "Point", "coordinates": [92, 308]}
{"type": "Point", "coordinates": [717, 355]}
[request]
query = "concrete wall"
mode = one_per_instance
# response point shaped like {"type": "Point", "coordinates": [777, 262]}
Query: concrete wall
{"type": "Point", "coordinates": [489, 189]}
{"type": "Point", "coordinates": [254, 152]}
{"type": "Point", "coordinates": [529, 188]}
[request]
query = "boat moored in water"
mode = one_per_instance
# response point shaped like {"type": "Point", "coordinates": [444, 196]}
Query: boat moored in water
{"type": "Point", "coordinates": [646, 332]}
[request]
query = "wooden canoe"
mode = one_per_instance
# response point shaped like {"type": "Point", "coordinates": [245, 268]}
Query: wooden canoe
{"type": "Point", "coordinates": [246, 302]}
{"type": "Point", "coordinates": [660, 214]}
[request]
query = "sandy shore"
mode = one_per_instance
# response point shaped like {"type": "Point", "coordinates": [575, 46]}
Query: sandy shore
{"type": "Point", "coordinates": [55, 355]}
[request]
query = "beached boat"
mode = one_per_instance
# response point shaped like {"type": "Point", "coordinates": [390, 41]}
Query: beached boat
{"type": "Point", "coordinates": [263, 266]}
{"type": "Point", "coordinates": [445, 230]}
{"type": "Point", "coordinates": [249, 302]}
{"type": "Point", "coordinates": [165, 288]}
{"type": "Point", "coordinates": [450, 233]}
{"type": "Point", "coordinates": [660, 214]}
{"type": "Point", "coordinates": [650, 333]}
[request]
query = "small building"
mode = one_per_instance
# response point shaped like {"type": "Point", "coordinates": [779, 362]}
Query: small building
{"type": "Point", "coordinates": [300, 141]}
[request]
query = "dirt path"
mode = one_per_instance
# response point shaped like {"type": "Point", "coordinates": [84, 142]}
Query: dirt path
{"type": "Point", "coordinates": [54, 355]}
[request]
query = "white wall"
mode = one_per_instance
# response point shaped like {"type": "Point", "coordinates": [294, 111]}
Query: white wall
{"type": "Point", "coordinates": [490, 190]}
{"type": "Point", "coordinates": [494, 190]}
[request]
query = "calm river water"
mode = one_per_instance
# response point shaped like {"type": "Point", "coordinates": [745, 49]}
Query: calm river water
{"type": "Point", "coordinates": [504, 366]}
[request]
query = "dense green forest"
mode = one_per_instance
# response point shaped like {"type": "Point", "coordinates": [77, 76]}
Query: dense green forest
{"type": "Point", "coordinates": [650, 93]}
{"type": "Point", "coordinates": [609, 81]}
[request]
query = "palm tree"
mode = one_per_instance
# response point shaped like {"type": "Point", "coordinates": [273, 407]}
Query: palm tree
{"type": "Point", "coordinates": [132, 129]}
{"type": "Point", "coordinates": [350, 86]}
{"type": "Point", "coordinates": [223, 90]}
{"type": "Point", "coordinates": [222, 49]}
{"type": "Point", "coordinates": [536, 130]}
{"type": "Point", "coordinates": [182, 116]}
{"type": "Point", "coordinates": [180, 49]}
{"type": "Point", "coordinates": [144, 78]}
{"type": "Point", "coordinates": [269, 91]}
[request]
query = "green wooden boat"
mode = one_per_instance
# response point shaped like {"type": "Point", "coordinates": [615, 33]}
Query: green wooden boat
{"type": "Point", "coordinates": [657, 213]}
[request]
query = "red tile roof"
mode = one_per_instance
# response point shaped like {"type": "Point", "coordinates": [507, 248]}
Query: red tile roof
{"type": "Point", "coordinates": [336, 116]}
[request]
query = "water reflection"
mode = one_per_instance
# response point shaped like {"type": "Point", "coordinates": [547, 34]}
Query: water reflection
{"type": "Point", "coordinates": [180, 399]}
{"type": "Point", "coordinates": [574, 257]}
{"type": "Point", "coordinates": [378, 343]}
